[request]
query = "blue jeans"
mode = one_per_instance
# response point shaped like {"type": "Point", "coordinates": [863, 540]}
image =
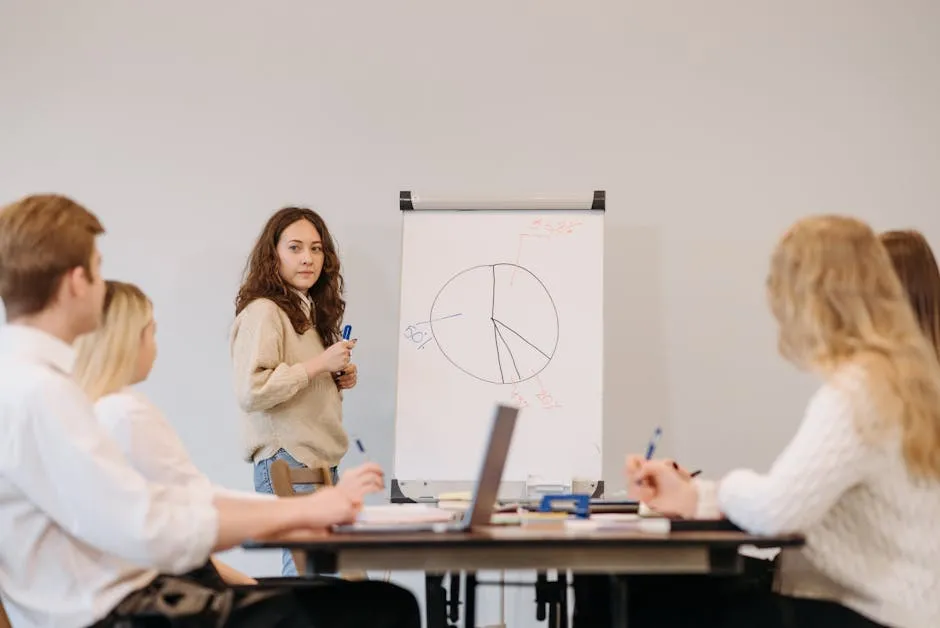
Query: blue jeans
{"type": "Point", "coordinates": [263, 485]}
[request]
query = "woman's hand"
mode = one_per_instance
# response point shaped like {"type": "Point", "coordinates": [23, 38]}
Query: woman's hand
{"type": "Point", "coordinates": [335, 358]}
{"type": "Point", "coordinates": [362, 480]}
{"type": "Point", "coordinates": [662, 485]}
{"type": "Point", "coordinates": [348, 377]}
{"type": "Point", "coordinates": [329, 506]}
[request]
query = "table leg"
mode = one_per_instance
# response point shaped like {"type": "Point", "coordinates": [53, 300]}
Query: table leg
{"type": "Point", "coordinates": [618, 601]}
{"type": "Point", "coordinates": [470, 595]}
{"type": "Point", "coordinates": [435, 601]}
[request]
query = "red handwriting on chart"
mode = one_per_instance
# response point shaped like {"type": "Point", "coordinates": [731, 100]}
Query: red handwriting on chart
{"type": "Point", "coordinates": [561, 227]}
{"type": "Point", "coordinates": [542, 228]}
{"type": "Point", "coordinates": [546, 400]}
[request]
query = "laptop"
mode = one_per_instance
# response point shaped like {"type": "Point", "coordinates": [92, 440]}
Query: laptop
{"type": "Point", "coordinates": [484, 493]}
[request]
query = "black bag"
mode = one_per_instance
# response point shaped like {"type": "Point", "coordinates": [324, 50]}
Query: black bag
{"type": "Point", "coordinates": [181, 602]}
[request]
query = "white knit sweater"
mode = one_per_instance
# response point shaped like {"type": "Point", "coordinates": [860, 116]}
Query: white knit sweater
{"type": "Point", "coordinates": [872, 533]}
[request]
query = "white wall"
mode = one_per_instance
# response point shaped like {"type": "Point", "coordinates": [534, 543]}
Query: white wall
{"type": "Point", "coordinates": [711, 125]}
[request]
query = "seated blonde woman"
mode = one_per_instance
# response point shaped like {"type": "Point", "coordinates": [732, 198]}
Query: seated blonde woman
{"type": "Point", "coordinates": [120, 354]}
{"type": "Point", "coordinates": [111, 360]}
{"type": "Point", "coordinates": [861, 477]}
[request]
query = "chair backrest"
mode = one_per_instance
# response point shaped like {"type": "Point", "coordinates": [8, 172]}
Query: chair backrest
{"type": "Point", "coordinates": [283, 478]}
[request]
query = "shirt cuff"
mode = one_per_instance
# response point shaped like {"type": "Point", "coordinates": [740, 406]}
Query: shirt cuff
{"type": "Point", "coordinates": [707, 507]}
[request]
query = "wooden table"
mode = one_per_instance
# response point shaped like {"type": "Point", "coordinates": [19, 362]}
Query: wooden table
{"type": "Point", "coordinates": [539, 547]}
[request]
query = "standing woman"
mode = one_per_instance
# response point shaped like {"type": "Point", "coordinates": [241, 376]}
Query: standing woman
{"type": "Point", "coordinates": [916, 267]}
{"type": "Point", "coordinates": [288, 358]}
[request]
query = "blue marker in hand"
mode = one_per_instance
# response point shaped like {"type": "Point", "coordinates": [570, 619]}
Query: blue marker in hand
{"type": "Point", "coordinates": [653, 441]}
{"type": "Point", "coordinates": [347, 331]}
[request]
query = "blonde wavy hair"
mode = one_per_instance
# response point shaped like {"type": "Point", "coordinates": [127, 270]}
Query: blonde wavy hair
{"type": "Point", "coordinates": [837, 299]}
{"type": "Point", "coordinates": [106, 358]}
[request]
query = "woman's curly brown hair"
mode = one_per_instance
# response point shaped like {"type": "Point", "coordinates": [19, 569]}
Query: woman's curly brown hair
{"type": "Point", "coordinates": [262, 278]}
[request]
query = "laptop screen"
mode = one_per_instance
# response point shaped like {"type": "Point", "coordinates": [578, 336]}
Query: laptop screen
{"type": "Point", "coordinates": [491, 472]}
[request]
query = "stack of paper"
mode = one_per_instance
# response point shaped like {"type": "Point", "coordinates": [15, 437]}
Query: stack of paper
{"type": "Point", "coordinates": [404, 513]}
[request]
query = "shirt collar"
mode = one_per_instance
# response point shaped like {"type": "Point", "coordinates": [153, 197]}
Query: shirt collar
{"type": "Point", "coordinates": [303, 295]}
{"type": "Point", "coordinates": [36, 345]}
{"type": "Point", "coordinates": [307, 299]}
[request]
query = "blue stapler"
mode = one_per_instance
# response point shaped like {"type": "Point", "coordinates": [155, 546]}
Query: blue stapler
{"type": "Point", "coordinates": [578, 505]}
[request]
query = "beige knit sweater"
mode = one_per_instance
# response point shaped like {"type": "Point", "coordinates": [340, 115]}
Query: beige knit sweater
{"type": "Point", "coordinates": [281, 407]}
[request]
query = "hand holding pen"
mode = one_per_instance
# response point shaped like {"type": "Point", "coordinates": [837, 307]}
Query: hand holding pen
{"type": "Point", "coordinates": [349, 375]}
{"type": "Point", "coordinates": [364, 479]}
{"type": "Point", "coordinates": [635, 464]}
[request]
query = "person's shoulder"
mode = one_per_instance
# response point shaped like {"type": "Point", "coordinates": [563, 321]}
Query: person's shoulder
{"type": "Point", "coordinates": [860, 394]}
{"type": "Point", "coordinates": [125, 403]}
{"type": "Point", "coordinates": [261, 308]}
{"type": "Point", "coordinates": [36, 382]}
{"type": "Point", "coordinates": [262, 314]}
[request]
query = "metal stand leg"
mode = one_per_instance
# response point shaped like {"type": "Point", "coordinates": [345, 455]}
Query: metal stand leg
{"type": "Point", "coordinates": [618, 601]}
{"type": "Point", "coordinates": [541, 582]}
{"type": "Point", "coordinates": [453, 599]}
{"type": "Point", "coordinates": [551, 599]}
{"type": "Point", "coordinates": [470, 593]}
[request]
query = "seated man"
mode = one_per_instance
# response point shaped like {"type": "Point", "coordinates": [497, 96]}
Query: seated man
{"type": "Point", "coordinates": [86, 539]}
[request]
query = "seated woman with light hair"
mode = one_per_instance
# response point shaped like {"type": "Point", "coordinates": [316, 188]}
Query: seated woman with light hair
{"type": "Point", "coordinates": [120, 354]}
{"type": "Point", "coordinates": [861, 477]}
{"type": "Point", "coordinates": [108, 362]}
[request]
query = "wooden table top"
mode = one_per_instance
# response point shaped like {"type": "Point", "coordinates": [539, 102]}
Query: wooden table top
{"type": "Point", "coordinates": [516, 536]}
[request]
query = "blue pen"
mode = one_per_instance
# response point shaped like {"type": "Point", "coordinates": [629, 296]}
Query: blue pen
{"type": "Point", "coordinates": [652, 446]}
{"type": "Point", "coordinates": [362, 449]}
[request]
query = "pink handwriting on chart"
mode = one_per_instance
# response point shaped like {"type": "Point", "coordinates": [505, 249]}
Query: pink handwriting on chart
{"type": "Point", "coordinates": [545, 398]}
{"type": "Point", "coordinates": [554, 228]}
{"type": "Point", "coordinates": [541, 228]}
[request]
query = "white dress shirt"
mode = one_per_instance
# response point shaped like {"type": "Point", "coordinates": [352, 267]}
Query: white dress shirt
{"type": "Point", "coordinates": [80, 529]}
{"type": "Point", "coordinates": [871, 531]}
{"type": "Point", "coordinates": [152, 446]}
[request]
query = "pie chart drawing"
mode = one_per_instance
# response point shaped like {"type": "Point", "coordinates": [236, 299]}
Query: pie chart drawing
{"type": "Point", "coordinates": [496, 322]}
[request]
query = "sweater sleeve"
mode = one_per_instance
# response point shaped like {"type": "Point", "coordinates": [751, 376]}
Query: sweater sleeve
{"type": "Point", "coordinates": [262, 378]}
{"type": "Point", "coordinates": [826, 458]}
